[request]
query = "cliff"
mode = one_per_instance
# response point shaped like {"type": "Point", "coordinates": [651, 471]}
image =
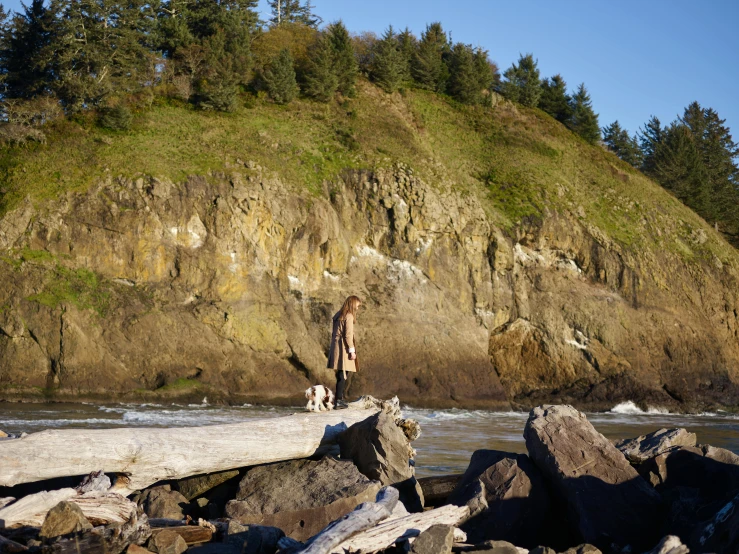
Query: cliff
{"type": "Point", "coordinates": [501, 261]}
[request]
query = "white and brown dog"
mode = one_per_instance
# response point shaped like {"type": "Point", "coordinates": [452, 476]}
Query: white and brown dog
{"type": "Point", "coordinates": [320, 398]}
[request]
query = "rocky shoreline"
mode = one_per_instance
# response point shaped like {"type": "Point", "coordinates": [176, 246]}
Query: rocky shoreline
{"type": "Point", "coordinates": [574, 492]}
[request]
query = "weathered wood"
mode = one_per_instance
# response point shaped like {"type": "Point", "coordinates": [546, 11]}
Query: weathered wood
{"type": "Point", "coordinates": [96, 481]}
{"type": "Point", "coordinates": [102, 508]}
{"type": "Point", "coordinates": [365, 516]}
{"type": "Point", "coordinates": [32, 509]}
{"type": "Point", "coordinates": [148, 455]}
{"type": "Point", "coordinates": [6, 545]}
{"type": "Point", "coordinates": [406, 528]}
{"type": "Point", "coordinates": [5, 501]}
{"type": "Point", "coordinates": [192, 534]}
{"type": "Point", "coordinates": [436, 489]}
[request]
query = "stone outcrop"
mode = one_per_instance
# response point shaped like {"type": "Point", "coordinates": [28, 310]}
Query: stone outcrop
{"type": "Point", "coordinates": [609, 504]}
{"type": "Point", "coordinates": [507, 498]}
{"type": "Point", "coordinates": [300, 497]}
{"type": "Point", "coordinates": [381, 451]}
{"type": "Point", "coordinates": [641, 448]}
{"type": "Point", "coordinates": [225, 284]}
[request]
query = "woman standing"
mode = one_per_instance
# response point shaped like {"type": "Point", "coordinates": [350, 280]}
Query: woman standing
{"type": "Point", "coordinates": [342, 355]}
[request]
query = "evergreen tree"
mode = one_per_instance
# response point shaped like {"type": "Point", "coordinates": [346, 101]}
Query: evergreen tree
{"type": "Point", "coordinates": [407, 44]}
{"type": "Point", "coordinates": [620, 143]}
{"type": "Point", "coordinates": [216, 85]}
{"type": "Point", "coordinates": [469, 74]}
{"type": "Point", "coordinates": [584, 120]}
{"type": "Point", "coordinates": [345, 64]}
{"type": "Point", "coordinates": [428, 67]}
{"type": "Point", "coordinates": [486, 72]}
{"type": "Point", "coordinates": [554, 99]}
{"type": "Point", "coordinates": [649, 139]}
{"type": "Point", "coordinates": [292, 11]}
{"type": "Point", "coordinates": [320, 80]}
{"type": "Point", "coordinates": [28, 45]}
{"type": "Point", "coordinates": [280, 80]}
{"type": "Point", "coordinates": [522, 83]}
{"type": "Point", "coordinates": [389, 68]}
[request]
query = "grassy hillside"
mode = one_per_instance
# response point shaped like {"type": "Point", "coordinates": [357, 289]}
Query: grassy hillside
{"type": "Point", "coordinates": [521, 161]}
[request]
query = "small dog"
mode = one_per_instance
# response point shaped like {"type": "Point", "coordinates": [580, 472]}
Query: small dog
{"type": "Point", "coordinates": [320, 398]}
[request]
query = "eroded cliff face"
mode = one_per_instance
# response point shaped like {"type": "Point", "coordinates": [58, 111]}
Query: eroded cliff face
{"type": "Point", "coordinates": [231, 282]}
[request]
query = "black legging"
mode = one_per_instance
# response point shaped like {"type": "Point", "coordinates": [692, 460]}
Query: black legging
{"type": "Point", "coordinates": [342, 384]}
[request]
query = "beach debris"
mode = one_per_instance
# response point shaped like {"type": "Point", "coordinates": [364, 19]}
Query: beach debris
{"type": "Point", "coordinates": [507, 498]}
{"type": "Point", "coordinates": [95, 481]}
{"type": "Point", "coordinates": [608, 502]}
{"type": "Point", "coordinates": [644, 447]}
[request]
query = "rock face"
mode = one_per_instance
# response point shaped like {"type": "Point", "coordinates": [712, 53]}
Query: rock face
{"type": "Point", "coordinates": [437, 539]}
{"type": "Point", "coordinates": [192, 487]}
{"type": "Point", "coordinates": [642, 448]}
{"type": "Point", "coordinates": [63, 519]}
{"type": "Point", "coordinates": [609, 504]}
{"type": "Point", "coordinates": [381, 451]}
{"type": "Point", "coordinates": [300, 497]}
{"type": "Point", "coordinates": [720, 534]}
{"type": "Point", "coordinates": [162, 502]}
{"type": "Point", "coordinates": [507, 498]}
{"type": "Point", "coordinates": [228, 282]}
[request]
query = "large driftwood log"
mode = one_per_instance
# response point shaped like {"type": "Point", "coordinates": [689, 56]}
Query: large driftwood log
{"type": "Point", "coordinates": [6, 545]}
{"type": "Point", "coordinates": [365, 516]}
{"type": "Point", "coordinates": [148, 455]}
{"type": "Point", "coordinates": [404, 528]}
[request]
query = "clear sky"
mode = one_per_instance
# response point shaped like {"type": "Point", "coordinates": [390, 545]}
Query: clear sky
{"type": "Point", "coordinates": [636, 57]}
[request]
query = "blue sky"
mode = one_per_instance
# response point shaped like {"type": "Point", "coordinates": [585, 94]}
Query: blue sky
{"type": "Point", "coordinates": [637, 58]}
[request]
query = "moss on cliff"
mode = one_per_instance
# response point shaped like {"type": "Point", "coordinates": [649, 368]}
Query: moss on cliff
{"type": "Point", "coordinates": [520, 161]}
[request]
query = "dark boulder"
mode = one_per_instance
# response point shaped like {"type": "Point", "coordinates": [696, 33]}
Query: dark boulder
{"type": "Point", "coordinates": [163, 503]}
{"type": "Point", "coordinates": [300, 497]}
{"type": "Point", "coordinates": [608, 504]}
{"type": "Point", "coordinates": [720, 534]}
{"type": "Point", "coordinates": [382, 452]}
{"type": "Point", "coordinates": [437, 539]}
{"type": "Point", "coordinates": [167, 542]}
{"type": "Point", "coordinates": [507, 498]}
{"type": "Point", "coordinates": [63, 519]}
{"type": "Point", "coordinates": [192, 487]}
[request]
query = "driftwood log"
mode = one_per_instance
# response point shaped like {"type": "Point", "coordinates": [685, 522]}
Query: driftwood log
{"type": "Point", "coordinates": [365, 516]}
{"type": "Point", "coordinates": [6, 545]}
{"type": "Point", "coordinates": [391, 531]}
{"type": "Point", "coordinates": [148, 455]}
{"type": "Point", "coordinates": [437, 488]}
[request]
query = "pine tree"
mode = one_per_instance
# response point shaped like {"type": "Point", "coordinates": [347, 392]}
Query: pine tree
{"type": "Point", "coordinates": [584, 120]}
{"type": "Point", "coordinates": [216, 85]}
{"type": "Point", "coordinates": [389, 68]}
{"type": "Point", "coordinates": [320, 80]}
{"type": "Point", "coordinates": [292, 11]}
{"type": "Point", "coordinates": [554, 99]}
{"type": "Point", "coordinates": [620, 143]}
{"type": "Point", "coordinates": [428, 67]}
{"type": "Point", "coordinates": [29, 41]}
{"type": "Point", "coordinates": [465, 84]}
{"type": "Point", "coordinates": [280, 79]}
{"type": "Point", "coordinates": [344, 61]}
{"type": "Point", "coordinates": [522, 83]}
{"type": "Point", "coordinates": [407, 44]}
{"type": "Point", "coordinates": [649, 139]}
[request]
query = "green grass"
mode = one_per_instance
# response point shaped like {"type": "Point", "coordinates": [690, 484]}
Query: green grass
{"type": "Point", "coordinates": [519, 162]}
{"type": "Point", "coordinates": [80, 287]}
{"type": "Point", "coordinates": [180, 384]}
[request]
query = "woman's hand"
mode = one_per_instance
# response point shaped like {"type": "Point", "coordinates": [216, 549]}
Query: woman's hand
{"type": "Point", "coordinates": [352, 355]}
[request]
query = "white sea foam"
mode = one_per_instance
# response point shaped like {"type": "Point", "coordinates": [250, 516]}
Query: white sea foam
{"type": "Point", "coordinates": [629, 408]}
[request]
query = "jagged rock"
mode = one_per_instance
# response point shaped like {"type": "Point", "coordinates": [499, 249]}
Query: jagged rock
{"type": "Point", "coordinates": [670, 545]}
{"type": "Point", "coordinates": [62, 519]}
{"type": "Point", "coordinates": [507, 498]}
{"type": "Point", "coordinates": [608, 503]}
{"type": "Point", "coordinates": [253, 539]}
{"type": "Point", "coordinates": [720, 534]}
{"type": "Point", "coordinates": [641, 448]}
{"type": "Point", "coordinates": [437, 539]}
{"type": "Point", "coordinates": [381, 451]}
{"type": "Point", "coordinates": [168, 542]}
{"type": "Point", "coordinates": [136, 549]}
{"type": "Point", "coordinates": [162, 502]}
{"type": "Point", "coordinates": [198, 485]}
{"type": "Point", "coordinates": [583, 549]}
{"type": "Point", "coordinates": [300, 497]}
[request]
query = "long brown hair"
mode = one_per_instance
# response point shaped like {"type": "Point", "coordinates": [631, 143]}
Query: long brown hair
{"type": "Point", "coordinates": [351, 305]}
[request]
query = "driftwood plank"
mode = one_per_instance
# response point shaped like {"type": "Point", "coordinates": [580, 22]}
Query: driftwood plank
{"type": "Point", "coordinates": [192, 534]}
{"type": "Point", "coordinates": [102, 508]}
{"type": "Point", "coordinates": [365, 516]}
{"type": "Point", "coordinates": [148, 455]}
{"type": "Point", "coordinates": [389, 532]}
{"type": "Point", "coordinates": [32, 509]}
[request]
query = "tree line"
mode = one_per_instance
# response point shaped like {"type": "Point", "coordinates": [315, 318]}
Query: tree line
{"type": "Point", "coordinates": [67, 56]}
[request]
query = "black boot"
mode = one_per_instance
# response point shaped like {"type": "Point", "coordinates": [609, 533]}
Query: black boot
{"type": "Point", "coordinates": [340, 404]}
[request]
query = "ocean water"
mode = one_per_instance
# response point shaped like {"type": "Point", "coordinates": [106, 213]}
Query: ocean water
{"type": "Point", "coordinates": [448, 438]}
